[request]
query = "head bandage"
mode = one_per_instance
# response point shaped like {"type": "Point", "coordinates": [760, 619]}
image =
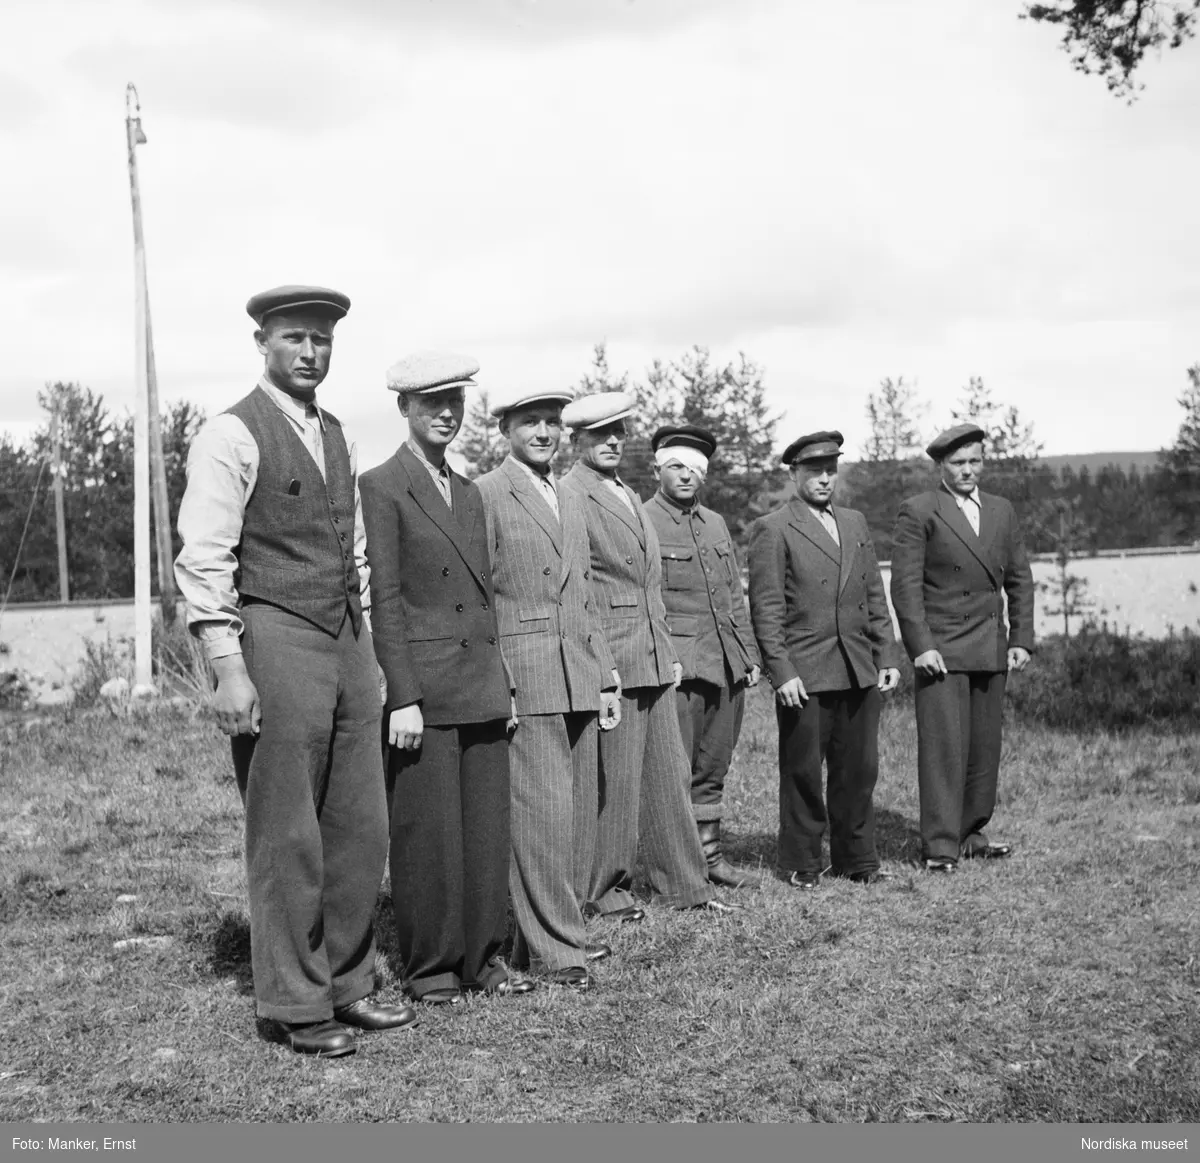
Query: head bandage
{"type": "Point", "coordinates": [683, 454]}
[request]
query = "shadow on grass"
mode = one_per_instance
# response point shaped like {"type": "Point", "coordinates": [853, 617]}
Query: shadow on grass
{"type": "Point", "coordinates": [896, 839]}
{"type": "Point", "coordinates": [228, 947]}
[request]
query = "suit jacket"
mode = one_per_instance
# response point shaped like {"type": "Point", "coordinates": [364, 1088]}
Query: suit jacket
{"type": "Point", "coordinates": [626, 580]}
{"type": "Point", "coordinates": [702, 592]}
{"type": "Point", "coordinates": [549, 633]}
{"type": "Point", "coordinates": [433, 612]}
{"type": "Point", "coordinates": [820, 613]}
{"type": "Point", "coordinates": [948, 584]}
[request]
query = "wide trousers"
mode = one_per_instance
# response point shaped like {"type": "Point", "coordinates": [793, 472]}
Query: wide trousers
{"type": "Point", "coordinates": [316, 814]}
{"type": "Point", "coordinates": [553, 763]}
{"type": "Point", "coordinates": [841, 729]}
{"type": "Point", "coordinates": [958, 758]}
{"type": "Point", "coordinates": [710, 721]}
{"type": "Point", "coordinates": [449, 808]}
{"type": "Point", "coordinates": [644, 796]}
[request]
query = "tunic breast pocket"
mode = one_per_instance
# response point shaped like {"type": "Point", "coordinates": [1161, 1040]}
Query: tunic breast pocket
{"type": "Point", "coordinates": [676, 566]}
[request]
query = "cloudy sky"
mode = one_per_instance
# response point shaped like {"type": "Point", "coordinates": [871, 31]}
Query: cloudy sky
{"type": "Point", "coordinates": [844, 191]}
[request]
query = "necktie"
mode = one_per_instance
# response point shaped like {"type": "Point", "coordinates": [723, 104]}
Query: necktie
{"type": "Point", "coordinates": [970, 508]}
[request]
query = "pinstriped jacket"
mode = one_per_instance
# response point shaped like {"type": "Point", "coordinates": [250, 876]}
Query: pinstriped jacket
{"type": "Point", "coordinates": [626, 580]}
{"type": "Point", "coordinates": [549, 633]}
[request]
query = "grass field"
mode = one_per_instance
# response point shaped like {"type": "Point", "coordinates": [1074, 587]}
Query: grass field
{"type": "Point", "coordinates": [1061, 985]}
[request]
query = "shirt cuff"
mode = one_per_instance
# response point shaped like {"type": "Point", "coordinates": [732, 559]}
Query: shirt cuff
{"type": "Point", "coordinates": [222, 647]}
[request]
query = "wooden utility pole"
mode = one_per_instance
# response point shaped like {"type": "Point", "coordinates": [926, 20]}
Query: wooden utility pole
{"type": "Point", "coordinates": [142, 668]}
{"type": "Point", "coordinates": [60, 524]}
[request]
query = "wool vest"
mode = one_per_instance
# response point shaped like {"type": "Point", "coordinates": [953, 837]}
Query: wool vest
{"type": "Point", "coordinates": [297, 546]}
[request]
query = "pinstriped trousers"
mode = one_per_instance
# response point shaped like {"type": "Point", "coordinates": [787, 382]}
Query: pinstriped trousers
{"type": "Point", "coordinates": [645, 782]}
{"type": "Point", "coordinates": [552, 770]}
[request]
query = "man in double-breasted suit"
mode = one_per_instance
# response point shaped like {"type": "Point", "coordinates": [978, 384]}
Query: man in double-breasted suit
{"type": "Point", "coordinates": [448, 695]}
{"type": "Point", "coordinates": [825, 633]}
{"type": "Point", "coordinates": [957, 553]}
{"type": "Point", "coordinates": [709, 625]}
{"type": "Point", "coordinates": [564, 683]}
{"type": "Point", "coordinates": [644, 772]}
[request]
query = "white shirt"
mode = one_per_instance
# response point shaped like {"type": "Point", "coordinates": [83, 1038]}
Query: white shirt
{"type": "Point", "coordinates": [222, 470]}
{"type": "Point", "coordinates": [827, 519]}
{"type": "Point", "coordinates": [440, 474]}
{"type": "Point", "coordinates": [544, 482]}
{"type": "Point", "coordinates": [970, 505]}
{"type": "Point", "coordinates": [621, 492]}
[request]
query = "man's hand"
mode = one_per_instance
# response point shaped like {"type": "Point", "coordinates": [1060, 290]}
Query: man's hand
{"type": "Point", "coordinates": [610, 710]}
{"type": "Point", "coordinates": [511, 725]}
{"type": "Point", "coordinates": [889, 679]}
{"type": "Point", "coordinates": [676, 674]}
{"type": "Point", "coordinates": [792, 693]}
{"type": "Point", "coordinates": [236, 702]}
{"type": "Point", "coordinates": [930, 664]}
{"type": "Point", "coordinates": [753, 675]}
{"type": "Point", "coordinates": [1018, 658]}
{"type": "Point", "coordinates": [405, 727]}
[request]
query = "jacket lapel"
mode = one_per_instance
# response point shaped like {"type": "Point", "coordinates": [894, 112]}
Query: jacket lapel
{"type": "Point", "coordinates": [949, 512]}
{"type": "Point", "coordinates": [606, 498]}
{"type": "Point", "coordinates": [802, 520]}
{"type": "Point", "coordinates": [431, 502]}
{"type": "Point", "coordinates": [847, 562]}
{"type": "Point", "coordinates": [538, 507]}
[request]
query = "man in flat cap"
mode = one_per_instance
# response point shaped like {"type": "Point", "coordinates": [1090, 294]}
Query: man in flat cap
{"type": "Point", "coordinates": [448, 695]}
{"type": "Point", "coordinates": [709, 625]}
{"type": "Point", "coordinates": [825, 632]}
{"type": "Point", "coordinates": [644, 771]}
{"type": "Point", "coordinates": [273, 571]}
{"type": "Point", "coordinates": [564, 682]}
{"type": "Point", "coordinates": [957, 553]}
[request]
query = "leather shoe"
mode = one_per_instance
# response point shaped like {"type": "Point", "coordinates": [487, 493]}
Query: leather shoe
{"type": "Point", "coordinates": [368, 1015]}
{"type": "Point", "coordinates": [510, 985]}
{"type": "Point", "coordinates": [871, 876]}
{"type": "Point", "coordinates": [597, 952]}
{"type": "Point", "coordinates": [988, 852]}
{"type": "Point", "coordinates": [721, 908]}
{"type": "Point", "coordinates": [629, 914]}
{"type": "Point", "coordinates": [326, 1039]}
{"type": "Point", "coordinates": [807, 881]}
{"type": "Point", "coordinates": [573, 977]}
{"type": "Point", "coordinates": [447, 995]}
{"type": "Point", "coordinates": [940, 864]}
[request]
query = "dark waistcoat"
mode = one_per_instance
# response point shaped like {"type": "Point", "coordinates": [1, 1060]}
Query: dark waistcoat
{"type": "Point", "coordinates": [297, 546]}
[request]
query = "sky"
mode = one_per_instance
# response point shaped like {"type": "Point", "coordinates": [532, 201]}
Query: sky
{"type": "Point", "coordinates": [843, 191]}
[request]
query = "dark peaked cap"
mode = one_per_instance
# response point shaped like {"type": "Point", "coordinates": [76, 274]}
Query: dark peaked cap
{"type": "Point", "coordinates": [946, 442]}
{"type": "Point", "coordinates": [814, 446]}
{"type": "Point", "coordinates": [294, 297]}
{"type": "Point", "coordinates": [688, 435]}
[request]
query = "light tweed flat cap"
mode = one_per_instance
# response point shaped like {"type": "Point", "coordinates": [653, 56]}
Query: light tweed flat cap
{"type": "Point", "coordinates": [431, 371]}
{"type": "Point", "coordinates": [508, 399]}
{"type": "Point", "coordinates": [598, 409]}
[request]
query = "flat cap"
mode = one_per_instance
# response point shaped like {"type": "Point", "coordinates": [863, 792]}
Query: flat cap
{"type": "Point", "coordinates": [294, 297]}
{"type": "Point", "coordinates": [431, 371]}
{"type": "Point", "coordinates": [507, 399]}
{"type": "Point", "coordinates": [814, 446]}
{"type": "Point", "coordinates": [946, 442]}
{"type": "Point", "coordinates": [598, 409]}
{"type": "Point", "coordinates": [685, 436]}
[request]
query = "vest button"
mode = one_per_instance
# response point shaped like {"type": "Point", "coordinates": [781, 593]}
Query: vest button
{"type": "Point", "coordinates": [445, 571]}
{"type": "Point", "coordinates": [464, 642]}
{"type": "Point", "coordinates": [546, 571]}
{"type": "Point", "coordinates": [459, 607]}
{"type": "Point", "coordinates": [492, 641]}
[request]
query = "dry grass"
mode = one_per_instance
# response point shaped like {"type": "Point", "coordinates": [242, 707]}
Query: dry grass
{"type": "Point", "coordinates": [1061, 985]}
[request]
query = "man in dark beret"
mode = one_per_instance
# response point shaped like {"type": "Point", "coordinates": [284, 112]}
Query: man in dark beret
{"type": "Point", "coordinates": [273, 570]}
{"type": "Point", "coordinates": [710, 628]}
{"type": "Point", "coordinates": [823, 626]}
{"type": "Point", "coordinates": [957, 552]}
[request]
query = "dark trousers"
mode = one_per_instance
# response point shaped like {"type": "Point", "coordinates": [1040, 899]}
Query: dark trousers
{"type": "Point", "coordinates": [316, 814]}
{"type": "Point", "coordinates": [553, 761]}
{"type": "Point", "coordinates": [841, 729]}
{"type": "Point", "coordinates": [449, 808]}
{"type": "Point", "coordinates": [958, 758]}
{"type": "Point", "coordinates": [710, 721]}
{"type": "Point", "coordinates": [643, 796]}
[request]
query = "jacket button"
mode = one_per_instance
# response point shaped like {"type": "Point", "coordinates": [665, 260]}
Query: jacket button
{"type": "Point", "coordinates": [564, 635]}
{"type": "Point", "coordinates": [824, 581]}
{"type": "Point", "coordinates": [459, 607]}
{"type": "Point", "coordinates": [957, 568]}
{"type": "Point", "coordinates": [586, 575]}
{"type": "Point", "coordinates": [860, 605]}
{"type": "Point", "coordinates": [966, 593]}
{"type": "Point", "coordinates": [864, 577]}
{"type": "Point", "coordinates": [335, 518]}
{"type": "Point", "coordinates": [484, 606]}
{"type": "Point", "coordinates": [628, 560]}
{"type": "Point", "coordinates": [546, 571]}
{"type": "Point", "coordinates": [464, 642]}
{"type": "Point", "coordinates": [586, 606]}
{"type": "Point", "coordinates": [445, 571]}
{"type": "Point", "coordinates": [491, 641]}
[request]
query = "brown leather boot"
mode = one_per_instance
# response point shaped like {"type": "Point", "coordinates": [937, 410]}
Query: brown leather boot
{"type": "Point", "coordinates": [720, 871]}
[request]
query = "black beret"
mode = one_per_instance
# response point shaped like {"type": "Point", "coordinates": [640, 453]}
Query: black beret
{"type": "Point", "coordinates": [946, 442]}
{"type": "Point", "coordinates": [294, 297]}
{"type": "Point", "coordinates": [814, 446]}
{"type": "Point", "coordinates": [691, 435]}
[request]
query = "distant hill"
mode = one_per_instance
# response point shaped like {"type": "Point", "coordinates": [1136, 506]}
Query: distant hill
{"type": "Point", "coordinates": [1094, 461]}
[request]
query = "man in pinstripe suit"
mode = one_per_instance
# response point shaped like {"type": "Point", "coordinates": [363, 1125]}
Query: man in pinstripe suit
{"type": "Point", "coordinates": [645, 775]}
{"type": "Point", "coordinates": [562, 674]}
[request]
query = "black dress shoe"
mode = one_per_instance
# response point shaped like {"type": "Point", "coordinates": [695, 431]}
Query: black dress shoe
{"type": "Point", "coordinates": [630, 913]}
{"type": "Point", "coordinates": [369, 1015]}
{"type": "Point", "coordinates": [324, 1039]}
{"type": "Point", "coordinates": [807, 881]}
{"type": "Point", "coordinates": [597, 951]}
{"type": "Point", "coordinates": [510, 985]}
{"type": "Point", "coordinates": [871, 876]}
{"type": "Point", "coordinates": [988, 852]}
{"type": "Point", "coordinates": [447, 995]}
{"type": "Point", "coordinates": [573, 977]}
{"type": "Point", "coordinates": [940, 864]}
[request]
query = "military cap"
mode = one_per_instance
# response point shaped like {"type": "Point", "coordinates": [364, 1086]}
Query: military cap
{"type": "Point", "coordinates": [684, 436]}
{"type": "Point", "coordinates": [293, 298]}
{"type": "Point", "coordinates": [946, 442]}
{"type": "Point", "coordinates": [814, 446]}
{"type": "Point", "coordinates": [507, 399]}
{"type": "Point", "coordinates": [431, 371]}
{"type": "Point", "coordinates": [598, 409]}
